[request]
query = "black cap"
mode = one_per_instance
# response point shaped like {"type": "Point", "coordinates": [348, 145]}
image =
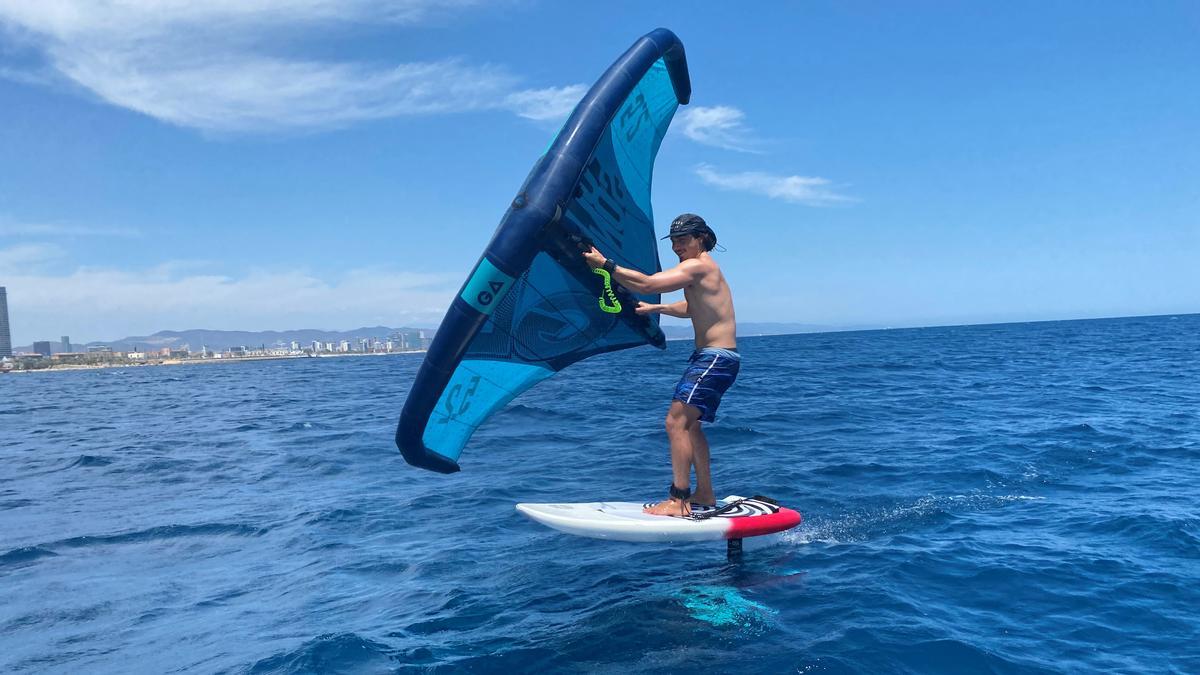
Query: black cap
{"type": "Point", "coordinates": [690, 223]}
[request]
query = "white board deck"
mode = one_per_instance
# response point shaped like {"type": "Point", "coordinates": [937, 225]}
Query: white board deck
{"type": "Point", "coordinates": [624, 521]}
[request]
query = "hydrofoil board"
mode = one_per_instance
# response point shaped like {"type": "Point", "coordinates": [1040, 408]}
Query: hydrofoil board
{"type": "Point", "coordinates": [733, 518]}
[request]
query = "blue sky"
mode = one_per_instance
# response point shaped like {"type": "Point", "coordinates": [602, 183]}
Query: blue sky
{"type": "Point", "coordinates": [271, 165]}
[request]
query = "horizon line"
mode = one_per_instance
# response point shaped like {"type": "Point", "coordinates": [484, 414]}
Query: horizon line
{"type": "Point", "coordinates": [818, 328]}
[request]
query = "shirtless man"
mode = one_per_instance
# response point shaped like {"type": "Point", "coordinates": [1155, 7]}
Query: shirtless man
{"type": "Point", "coordinates": [712, 367]}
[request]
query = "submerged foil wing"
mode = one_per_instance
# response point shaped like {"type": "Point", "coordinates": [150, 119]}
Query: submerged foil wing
{"type": "Point", "coordinates": [531, 306]}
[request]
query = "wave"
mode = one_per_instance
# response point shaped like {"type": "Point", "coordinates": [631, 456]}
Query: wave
{"type": "Point", "coordinates": [341, 652]}
{"type": "Point", "coordinates": [25, 555]}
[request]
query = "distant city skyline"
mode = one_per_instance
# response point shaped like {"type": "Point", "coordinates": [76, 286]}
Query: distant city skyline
{"type": "Point", "coordinates": [878, 164]}
{"type": "Point", "coordinates": [674, 328]}
{"type": "Point", "coordinates": [43, 357]}
{"type": "Point", "coordinates": [6, 345]}
{"type": "Point", "coordinates": [405, 337]}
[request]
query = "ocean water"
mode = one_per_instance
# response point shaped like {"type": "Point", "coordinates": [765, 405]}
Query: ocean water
{"type": "Point", "coordinates": [1009, 498]}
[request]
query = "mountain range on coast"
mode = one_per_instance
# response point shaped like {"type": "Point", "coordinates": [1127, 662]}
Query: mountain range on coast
{"type": "Point", "coordinates": [224, 339]}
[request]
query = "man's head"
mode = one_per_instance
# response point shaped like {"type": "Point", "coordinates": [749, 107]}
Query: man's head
{"type": "Point", "coordinates": [690, 235]}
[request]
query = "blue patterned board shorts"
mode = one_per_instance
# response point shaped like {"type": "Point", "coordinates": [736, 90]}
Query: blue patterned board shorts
{"type": "Point", "coordinates": [709, 373]}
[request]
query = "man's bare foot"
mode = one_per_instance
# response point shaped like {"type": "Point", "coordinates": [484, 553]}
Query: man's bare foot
{"type": "Point", "coordinates": [704, 499]}
{"type": "Point", "coordinates": [671, 507]}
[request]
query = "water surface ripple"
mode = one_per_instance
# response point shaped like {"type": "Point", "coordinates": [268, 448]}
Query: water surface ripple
{"type": "Point", "coordinates": [1011, 498]}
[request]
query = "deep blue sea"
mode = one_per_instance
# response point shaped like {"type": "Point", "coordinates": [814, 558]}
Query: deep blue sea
{"type": "Point", "coordinates": [1006, 498]}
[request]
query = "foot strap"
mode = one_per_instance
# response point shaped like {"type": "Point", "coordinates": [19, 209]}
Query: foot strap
{"type": "Point", "coordinates": [731, 506]}
{"type": "Point", "coordinates": [682, 494]}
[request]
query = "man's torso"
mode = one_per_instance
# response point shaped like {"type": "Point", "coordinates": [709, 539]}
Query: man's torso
{"type": "Point", "coordinates": [710, 304]}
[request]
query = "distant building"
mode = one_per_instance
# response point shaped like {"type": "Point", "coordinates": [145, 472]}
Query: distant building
{"type": "Point", "coordinates": [5, 335]}
{"type": "Point", "coordinates": [412, 338]}
{"type": "Point", "coordinates": [407, 338]}
{"type": "Point", "coordinates": [66, 343]}
{"type": "Point", "coordinates": [42, 347]}
{"type": "Point", "coordinates": [99, 349]}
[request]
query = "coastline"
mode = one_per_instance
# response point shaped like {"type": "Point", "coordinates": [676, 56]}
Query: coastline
{"type": "Point", "coordinates": [187, 362]}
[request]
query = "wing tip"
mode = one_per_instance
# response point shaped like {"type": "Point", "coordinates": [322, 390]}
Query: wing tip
{"type": "Point", "coordinates": [424, 459]}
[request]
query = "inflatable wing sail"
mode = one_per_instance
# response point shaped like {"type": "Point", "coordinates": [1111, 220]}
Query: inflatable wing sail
{"type": "Point", "coordinates": [532, 306]}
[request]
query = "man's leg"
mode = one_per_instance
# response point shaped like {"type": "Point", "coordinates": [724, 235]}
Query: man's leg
{"type": "Point", "coordinates": [680, 420]}
{"type": "Point", "coordinates": [704, 488]}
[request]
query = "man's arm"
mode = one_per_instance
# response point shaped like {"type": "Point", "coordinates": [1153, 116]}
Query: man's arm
{"type": "Point", "coordinates": [676, 309]}
{"type": "Point", "coordinates": [680, 276]}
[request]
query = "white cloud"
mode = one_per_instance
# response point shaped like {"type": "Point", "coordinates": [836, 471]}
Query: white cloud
{"type": "Point", "coordinates": [253, 93]}
{"type": "Point", "coordinates": [720, 126]}
{"type": "Point", "coordinates": [205, 65]}
{"type": "Point", "coordinates": [9, 228]}
{"type": "Point", "coordinates": [143, 18]}
{"type": "Point", "coordinates": [553, 103]}
{"type": "Point", "coordinates": [810, 191]}
{"type": "Point", "coordinates": [106, 304]}
{"type": "Point", "coordinates": [27, 256]}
